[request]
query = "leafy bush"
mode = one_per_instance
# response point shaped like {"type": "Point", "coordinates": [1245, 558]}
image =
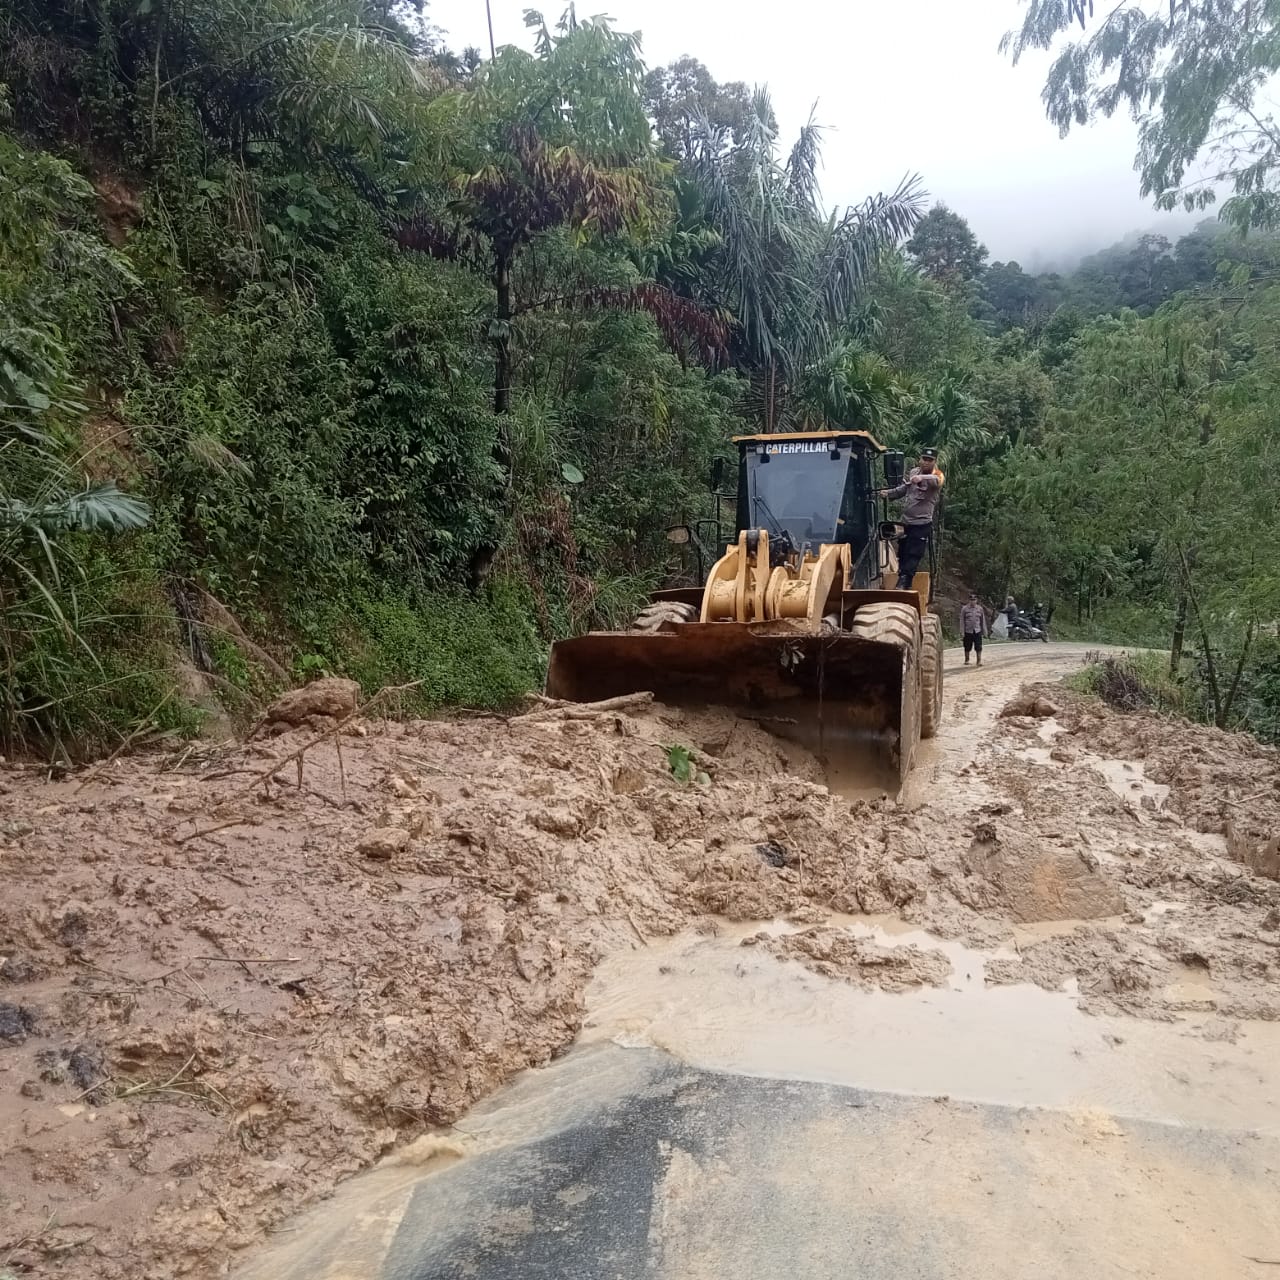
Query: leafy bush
{"type": "Point", "coordinates": [462, 651]}
{"type": "Point", "coordinates": [1133, 682]}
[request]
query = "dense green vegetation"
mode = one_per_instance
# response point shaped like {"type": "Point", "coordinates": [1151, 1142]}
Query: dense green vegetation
{"type": "Point", "coordinates": [323, 348]}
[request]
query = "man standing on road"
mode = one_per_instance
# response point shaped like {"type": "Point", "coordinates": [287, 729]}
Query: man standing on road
{"type": "Point", "coordinates": [919, 492]}
{"type": "Point", "coordinates": [973, 625]}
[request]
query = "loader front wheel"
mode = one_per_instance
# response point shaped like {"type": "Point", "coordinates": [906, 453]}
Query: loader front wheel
{"type": "Point", "coordinates": [931, 676]}
{"type": "Point", "coordinates": [888, 623]}
{"type": "Point", "coordinates": [655, 616]}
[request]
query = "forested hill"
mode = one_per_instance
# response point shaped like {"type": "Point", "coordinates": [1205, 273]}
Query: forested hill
{"type": "Point", "coordinates": [324, 348]}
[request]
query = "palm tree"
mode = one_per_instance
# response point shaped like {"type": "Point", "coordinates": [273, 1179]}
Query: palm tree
{"type": "Point", "coordinates": [790, 273]}
{"type": "Point", "coordinates": [948, 417]}
{"type": "Point", "coordinates": [851, 386]}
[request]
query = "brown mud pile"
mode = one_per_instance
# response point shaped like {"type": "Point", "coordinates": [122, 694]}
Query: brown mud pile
{"type": "Point", "coordinates": [228, 981]}
{"type": "Point", "coordinates": [1136, 825]}
{"type": "Point", "coordinates": [1227, 784]}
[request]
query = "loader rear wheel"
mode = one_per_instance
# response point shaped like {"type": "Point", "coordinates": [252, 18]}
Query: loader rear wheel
{"type": "Point", "coordinates": [931, 676]}
{"type": "Point", "coordinates": [653, 617]}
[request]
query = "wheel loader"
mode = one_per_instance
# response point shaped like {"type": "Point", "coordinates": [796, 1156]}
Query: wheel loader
{"type": "Point", "coordinates": [799, 624]}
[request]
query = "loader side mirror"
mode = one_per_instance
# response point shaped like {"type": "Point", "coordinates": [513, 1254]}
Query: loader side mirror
{"type": "Point", "coordinates": [717, 473]}
{"type": "Point", "coordinates": [678, 533]}
{"type": "Point", "coordinates": [894, 468]}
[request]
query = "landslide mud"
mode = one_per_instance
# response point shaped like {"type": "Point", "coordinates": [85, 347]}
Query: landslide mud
{"type": "Point", "coordinates": [225, 986]}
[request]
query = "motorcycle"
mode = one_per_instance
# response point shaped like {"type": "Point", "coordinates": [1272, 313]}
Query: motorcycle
{"type": "Point", "coordinates": [1022, 627]}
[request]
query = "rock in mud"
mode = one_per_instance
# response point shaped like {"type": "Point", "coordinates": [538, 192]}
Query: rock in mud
{"type": "Point", "coordinates": [17, 968]}
{"type": "Point", "coordinates": [383, 843]}
{"type": "Point", "coordinates": [84, 1066]}
{"type": "Point", "coordinates": [73, 928]}
{"type": "Point", "coordinates": [331, 697]}
{"type": "Point", "coordinates": [1030, 704]}
{"type": "Point", "coordinates": [16, 1022]}
{"type": "Point", "coordinates": [773, 853]}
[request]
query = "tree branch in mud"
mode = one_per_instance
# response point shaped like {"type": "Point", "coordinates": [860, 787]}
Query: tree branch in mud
{"type": "Point", "coordinates": [276, 765]}
{"type": "Point", "coordinates": [583, 710]}
{"type": "Point", "coordinates": [334, 730]}
{"type": "Point", "coordinates": [143, 726]}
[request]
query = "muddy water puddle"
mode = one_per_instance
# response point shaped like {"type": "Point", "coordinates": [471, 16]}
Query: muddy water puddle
{"type": "Point", "coordinates": [1191, 985]}
{"type": "Point", "coordinates": [1027, 934]}
{"type": "Point", "coordinates": [1126, 778]}
{"type": "Point", "coordinates": [716, 1004]}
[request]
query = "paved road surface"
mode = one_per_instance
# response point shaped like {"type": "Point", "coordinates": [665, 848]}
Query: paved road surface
{"type": "Point", "coordinates": [625, 1164]}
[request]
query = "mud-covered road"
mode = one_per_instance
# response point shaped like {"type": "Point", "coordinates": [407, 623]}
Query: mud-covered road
{"type": "Point", "coordinates": [727, 1115]}
{"type": "Point", "coordinates": [572, 1017]}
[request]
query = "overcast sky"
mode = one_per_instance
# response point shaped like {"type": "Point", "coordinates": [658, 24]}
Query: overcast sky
{"type": "Point", "coordinates": [903, 85]}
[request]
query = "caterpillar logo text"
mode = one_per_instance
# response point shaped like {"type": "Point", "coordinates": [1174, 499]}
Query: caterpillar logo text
{"type": "Point", "coordinates": [800, 446]}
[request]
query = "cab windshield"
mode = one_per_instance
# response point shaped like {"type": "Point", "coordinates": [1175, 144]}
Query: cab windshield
{"type": "Point", "coordinates": [796, 488]}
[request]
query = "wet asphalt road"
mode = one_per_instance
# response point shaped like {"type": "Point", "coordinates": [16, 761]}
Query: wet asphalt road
{"type": "Point", "coordinates": [695, 1174]}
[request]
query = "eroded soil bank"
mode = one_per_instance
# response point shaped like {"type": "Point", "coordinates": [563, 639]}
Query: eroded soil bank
{"type": "Point", "coordinates": [225, 985]}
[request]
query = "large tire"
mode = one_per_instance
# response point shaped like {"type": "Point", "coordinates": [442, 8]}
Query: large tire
{"type": "Point", "coordinates": [888, 623]}
{"type": "Point", "coordinates": [655, 616]}
{"type": "Point", "coordinates": [899, 625]}
{"type": "Point", "coordinates": [930, 676]}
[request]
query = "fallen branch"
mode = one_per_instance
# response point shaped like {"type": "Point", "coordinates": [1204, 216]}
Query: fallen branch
{"type": "Point", "coordinates": [1257, 795]}
{"type": "Point", "coordinates": [144, 726]}
{"type": "Point", "coordinates": [208, 831]}
{"type": "Point", "coordinates": [276, 765]}
{"type": "Point", "coordinates": [297, 755]}
{"type": "Point", "coordinates": [583, 710]}
{"type": "Point", "coordinates": [26, 1240]}
{"type": "Point", "coordinates": [542, 700]}
{"type": "Point", "coordinates": [635, 928]}
{"type": "Point", "coordinates": [147, 1087]}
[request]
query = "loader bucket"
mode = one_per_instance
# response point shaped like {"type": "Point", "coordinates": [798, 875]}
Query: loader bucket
{"type": "Point", "coordinates": [853, 702]}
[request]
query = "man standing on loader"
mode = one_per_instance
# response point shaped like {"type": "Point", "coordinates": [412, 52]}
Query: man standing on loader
{"type": "Point", "coordinates": [920, 492]}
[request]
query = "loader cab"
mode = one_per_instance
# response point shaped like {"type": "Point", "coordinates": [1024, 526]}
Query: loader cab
{"type": "Point", "coordinates": [814, 487]}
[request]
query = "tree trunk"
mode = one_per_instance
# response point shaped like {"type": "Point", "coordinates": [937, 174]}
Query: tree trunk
{"type": "Point", "coordinates": [1229, 702]}
{"type": "Point", "coordinates": [501, 336]}
{"type": "Point", "coordinates": [1179, 634]}
{"type": "Point", "coordinates": [1210, 666]}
